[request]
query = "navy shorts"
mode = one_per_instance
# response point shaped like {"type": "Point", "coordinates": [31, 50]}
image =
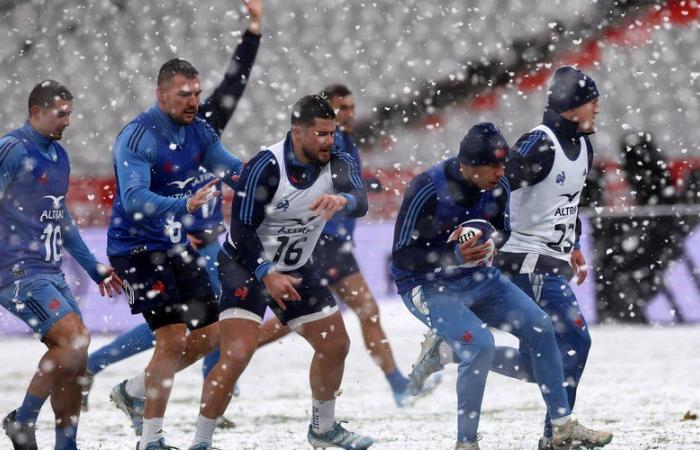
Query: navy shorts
{"type": "Point", "coordinates": [39, 300]}
{"type": "Point", "coordinates": [333, 259]}
{"type": "Point", "coordinates": [244, 297]}
{"type": "Point", "coordinates": [168, 288]}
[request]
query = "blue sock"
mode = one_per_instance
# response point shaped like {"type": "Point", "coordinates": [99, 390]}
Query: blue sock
{"type": "Point", "coordinates": [66, 438]}
{"type": "Point", "coordinates": [136, 340]}
{"type": "Point", "coordinates": [29, 410]}
{"type": "Point", "coordinates": [210, 361]}
{"type": "Point", "coordinates": [398, 382]}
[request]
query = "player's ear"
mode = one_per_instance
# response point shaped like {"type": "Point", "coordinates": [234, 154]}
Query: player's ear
{"type": "Point", "coordinates": [160, 93]}
{"type": "Point", "coordinates": [34, 112]}
{"type": "Point", "coordinates": [296, 131]}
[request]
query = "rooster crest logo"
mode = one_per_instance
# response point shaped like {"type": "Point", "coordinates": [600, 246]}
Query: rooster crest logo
{"type": "Point", "coordinates": [283, 205]}
{"type": "Point", "coordinates": [561, 178]}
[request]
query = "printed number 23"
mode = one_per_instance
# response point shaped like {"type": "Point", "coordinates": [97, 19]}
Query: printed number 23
{"type": "Point", "coordinates": [564, 244]}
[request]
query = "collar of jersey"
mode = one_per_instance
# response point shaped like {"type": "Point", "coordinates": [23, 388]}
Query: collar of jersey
{"type": "Point", "coordinates": [563, 128]}
{"type": "Point", "coordinates": [464, 193]}
{"type": "Point", "coordinates": [40, 141]}
{"type": "Point", "coordinates": [170, 130]}
{"type": "Point", "coordinates": [301, 175]}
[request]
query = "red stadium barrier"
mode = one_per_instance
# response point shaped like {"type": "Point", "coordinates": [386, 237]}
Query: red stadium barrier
{"type": "Point", "coordinates": [90, 199]}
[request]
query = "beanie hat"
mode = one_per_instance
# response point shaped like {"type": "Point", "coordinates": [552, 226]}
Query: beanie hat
{"type": "Point", "coordinates": [483, 145]}
{"type": "Point", "coordinates": [569, 89]}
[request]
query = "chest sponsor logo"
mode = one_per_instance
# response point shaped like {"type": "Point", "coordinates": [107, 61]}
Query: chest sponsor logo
{"type": "Point", "coordinates": [566, 211]}
{"type": "Point", "coordinates": [304, 226]}
{"type": "Point", "coordinates": [56, 200]}
{"type": "Point", "coordinates": [182, 184]}
{"type": "Point", "coordinates": [56, 212]}
{"type": "Point", "coordinates": [570, 197]}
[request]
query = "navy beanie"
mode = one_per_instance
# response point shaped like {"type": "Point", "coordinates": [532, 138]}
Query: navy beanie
{"type": "Point", "coordinates": [484, 144]}
{"type": "Point", "coordinates": [569, 89]}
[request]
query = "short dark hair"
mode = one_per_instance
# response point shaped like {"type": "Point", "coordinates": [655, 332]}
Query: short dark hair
{"type": "Point", "coordinates": [309, 108]}
{"type": "Point", "coordinates": [335, 90]}
{"type": "Point", "coordinates": [46, 93]}
{"type": "Point", "coordinates": [174, 67]}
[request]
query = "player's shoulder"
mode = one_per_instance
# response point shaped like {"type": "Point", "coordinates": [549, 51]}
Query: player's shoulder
{"type": "Point", "coordinates": [136, 137]}
{"type": "Point", "coordinates": [9, 143]}
{"type": "Point", "coordinates": [264, 160]}
{"type": "Point", "coordinates": [205, 129]}
{"type": "Point", "coordinates": [532, 142]}
{"type": "Point", "coordinates": [340, 156]}
{"type": "Point", "coordinates": [422, 184]}
{"type": "Point", "coordinates": [11, 148]}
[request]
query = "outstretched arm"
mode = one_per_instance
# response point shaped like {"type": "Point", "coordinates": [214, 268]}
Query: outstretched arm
{"type": "Point", "coordinates": [218, 108]}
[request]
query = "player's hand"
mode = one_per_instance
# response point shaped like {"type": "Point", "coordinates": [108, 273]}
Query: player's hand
{"type": "Point", "coordinates": [255, 11]}
{"type": "Point", "coordinates": [194, 242]}
{"type": "Point", "coordinates": [111, 284]}
{"type": "Point", "coordinates": [328, 204]}
{"type": "Point", "coordinates": [281, 288]}
{"type": "Point", "coordinates": [578, 263]}
{"type": "Point", "coordinates": [471, 252]}
{"type": "Point", "coordinates": [203, 195]}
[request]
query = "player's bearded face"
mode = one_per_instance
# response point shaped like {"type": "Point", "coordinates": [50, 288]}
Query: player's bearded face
{"type": "Point", "coordinates": [179, 98]}
{"type": "Point", "coordinates": [53, 120]}
{"type": "Point", "coordinates": [318, 141]}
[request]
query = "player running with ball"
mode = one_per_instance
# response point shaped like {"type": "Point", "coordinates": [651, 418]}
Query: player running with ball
{"type": "Point", "coordinates": [452, 288]}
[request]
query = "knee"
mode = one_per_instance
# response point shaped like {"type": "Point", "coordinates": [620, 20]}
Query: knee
{"type": "Point", "coordinates": [475, 346]}
{"type": "Point", "coordinates": [367, 311]}
{"type": "Point", "coordinates": [72, 355]}
{"type": "Point", "coordinates": [235, 353]}
{"type": "Point", "coordinates": [541, 326]}
{"type": "Point", "coordinates": [79, 341]}
{"type": "Point", "coordinates": [211, 335]}
{"type": "Point", "coordinates": [173, 347]}
{"type": "Point", "coordinates": [577, 354]}
{"type": "Point", "coordinates": [335, 347]}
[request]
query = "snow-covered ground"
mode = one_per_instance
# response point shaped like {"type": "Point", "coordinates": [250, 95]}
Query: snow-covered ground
{"type": "Point", "coordinates": [639, 383]}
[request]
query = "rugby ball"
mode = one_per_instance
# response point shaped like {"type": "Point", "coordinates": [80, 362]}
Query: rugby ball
{"type": "Point", "coordinates": [469, 230]}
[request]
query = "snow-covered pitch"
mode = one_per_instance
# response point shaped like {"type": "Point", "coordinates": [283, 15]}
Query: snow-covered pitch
{"type": "Point", "coordinates": [639, 382]}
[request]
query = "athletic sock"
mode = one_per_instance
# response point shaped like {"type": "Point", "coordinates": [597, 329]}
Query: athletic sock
{"type": "Point", "coordinates": [397, 380]}
{"type": "Point", "coordinates": [66, 437]}
{"type": "Point", "coordinates": [136, 386]}
{"type": "Point", "coordinates": [561, 421]}
{"type": "Point", "coordinates": [28, 412]}
{"type": "Point", "coordinates": [322, 415]}
{"type": "Point", "coordinates": [134, 341]}
{"type": "Point", "coordinates": [205, 430]}
{"type": "Point", "coordinates": [152, 431]}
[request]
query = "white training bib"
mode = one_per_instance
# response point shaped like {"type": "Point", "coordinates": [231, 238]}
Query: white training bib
{"type": "Point", "coordinates": [290, 230]}
{"type": "Point", "coordinates": [543, 216]}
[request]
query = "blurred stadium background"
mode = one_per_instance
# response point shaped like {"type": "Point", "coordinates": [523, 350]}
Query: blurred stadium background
{"type": "Point", "coordinates": [422, 73]}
